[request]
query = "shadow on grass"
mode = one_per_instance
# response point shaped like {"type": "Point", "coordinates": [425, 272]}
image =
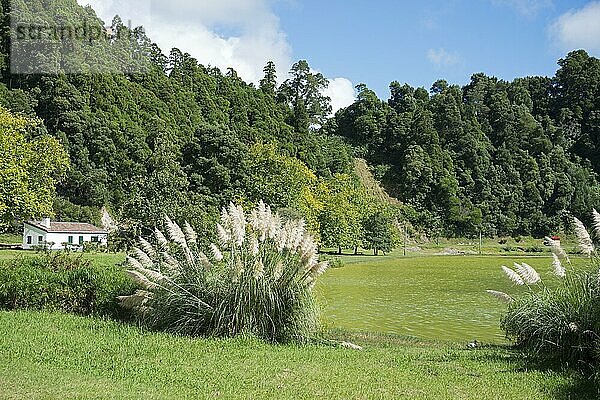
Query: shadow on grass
{"type": "Point", "coordinates": [583, 380]}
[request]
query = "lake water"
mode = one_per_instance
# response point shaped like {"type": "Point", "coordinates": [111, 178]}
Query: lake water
{"type": "Point", "coordinates": [440, 298]}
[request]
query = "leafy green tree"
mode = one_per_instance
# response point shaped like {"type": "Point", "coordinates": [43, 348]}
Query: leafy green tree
{"type": "Point", "coordinates": [269, 83]}
{"type": "Point", "coordinates": [29, 169]}
{"type": "Point", "coordinates": [379, 232]}
{"type": "Point", "coordinates": [340, 218]}
{"type": "Point", "coordinates": [303, 92]}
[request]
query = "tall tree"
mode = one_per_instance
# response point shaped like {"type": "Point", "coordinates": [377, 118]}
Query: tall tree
{"type": "Point", "coordinates": [268, 83]}
{"type": "Point", "coordinates": [29, 169]}
{"type": "Point", "coordinates": [303, 92]}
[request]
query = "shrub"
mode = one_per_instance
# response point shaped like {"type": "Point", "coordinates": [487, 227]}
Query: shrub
{"type": "Point", "coordinates": [61, 281]}
{"type": "Point", "coordinates": [559, 321]}
{"type": "Point", "coordinates": [562, 322]}
{"type": "Point", "coordinates": [258, 280]}
{"type": "Point", "coordinates": [334, 262]}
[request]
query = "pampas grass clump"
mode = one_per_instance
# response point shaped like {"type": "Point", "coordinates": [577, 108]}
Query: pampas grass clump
{"type": "Point", "coordinates": [258, 279]}
{"type": "Point", "coordinates": [561, 320]}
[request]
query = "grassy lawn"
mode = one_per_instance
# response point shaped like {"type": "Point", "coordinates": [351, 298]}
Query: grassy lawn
{"type": "Point", "coordinates": [413, 315]}
{"type": "Point", "coordinates": [45, 355]}
{"type": "Point", "coordinates": [434, 297]}
{"type": "Point", "coordinates": [100, 259]}
{"type": "Point", "coordinates": [8, 238]}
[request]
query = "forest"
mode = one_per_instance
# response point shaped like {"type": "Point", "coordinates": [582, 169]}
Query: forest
{"type": "Point", "coordinates": [183, 139]}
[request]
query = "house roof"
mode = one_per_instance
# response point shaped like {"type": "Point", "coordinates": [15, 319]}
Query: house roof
{"type": "Point", "coordinates": [67, 227]}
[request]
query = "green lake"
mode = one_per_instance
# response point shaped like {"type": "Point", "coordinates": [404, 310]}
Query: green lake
{"type": "Point", "coordinates": [440, 297]}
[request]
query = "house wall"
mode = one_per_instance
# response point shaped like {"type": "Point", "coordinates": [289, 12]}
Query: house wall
{"type": "Point", "coordinates": [34, 233]}
{"type": "Point", "coordinates": [57, 239]}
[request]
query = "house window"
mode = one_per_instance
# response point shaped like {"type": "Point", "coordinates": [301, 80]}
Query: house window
{"type": "Point", "coordinates": [95, 239]}
{"type": "Point", "coordinates": [80, 239]}
{"type": "Point", "coordinates": [29, 239]}
{"type": "Point", "coordinates": [40, 239]}
{"type": "Point", "coordinates": [70, 241]}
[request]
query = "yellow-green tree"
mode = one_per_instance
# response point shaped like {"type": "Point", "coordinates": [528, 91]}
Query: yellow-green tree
{"type": "Point", "coordinates": [344, 204]}
{"type": "Point", "coordinates": [283, 182]}
{"type": "Point", "coordinates": [29, 169]}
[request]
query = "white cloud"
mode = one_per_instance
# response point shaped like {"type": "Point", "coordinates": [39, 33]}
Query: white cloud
{"type": "Point", "coordinates": [242, 34]}
{"type": "Point", "coordinates": [342, 93]}
{"type": "Point", "coordinates": [578, 29]}
{"type": "Point", "coordinates": [526, 7]}
{"type": "Point", "coordinates": [442, 58]}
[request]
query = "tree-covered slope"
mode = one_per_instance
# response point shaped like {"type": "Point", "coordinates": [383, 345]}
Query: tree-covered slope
{"type": "Point", "coordinates": [505, 157]}
{"type": "Point", "coordinates": [180, 138]}
{"type": "Point", "coordinates": [174, 139]}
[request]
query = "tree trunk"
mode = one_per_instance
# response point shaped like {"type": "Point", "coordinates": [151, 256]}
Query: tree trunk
{"type": "Point", "coordinates": [355, 250]}
{"type": "Point", "coordinates": [340, 250]}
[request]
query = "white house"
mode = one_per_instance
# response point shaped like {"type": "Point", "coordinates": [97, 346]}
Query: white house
{"type": "Point", "coordinates": [58, 235]}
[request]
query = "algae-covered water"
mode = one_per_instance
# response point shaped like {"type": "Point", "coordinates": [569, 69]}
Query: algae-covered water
{"type": "Point", "coordinates": [440, 297]}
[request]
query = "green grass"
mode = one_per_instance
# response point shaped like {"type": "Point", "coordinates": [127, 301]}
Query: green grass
{"type": "Point", "coordinates": [9, 238]}
{"type": "Point", "coordinates": [441, 298]}
{"type": "Point", "coordinates": [432, 297]}
{"type": "Point", "coordinates": [45, 356]}
{"type": "Point", "coordinates": [100, 259]}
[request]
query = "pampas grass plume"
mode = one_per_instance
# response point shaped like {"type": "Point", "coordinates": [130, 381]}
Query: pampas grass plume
{"type": "Point", "coordinates": [513, 276]}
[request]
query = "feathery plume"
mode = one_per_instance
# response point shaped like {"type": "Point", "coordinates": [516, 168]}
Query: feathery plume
{"type": "Point", "coordinates": [254, 246]}
{"type": "Point", "coordinates": [175, 232]}
{"type": "Point", "coordinates": [161, 239]}
{"type": "Point", "coordinates": [143, 258]}
{"type": "Point", "coordinates": [557, 267]}
{"type": "Point", "coordinates": [204, 261]}
{"type": "Point", "coordinates": [137, 300]}
{"type": "Point", "coordinates": [556, 248]}
{"type": "Point", "coordinates": [273, 226]}
{"type": "Point", "coordinates": [528, 273]}
{"type": "Point", "coordinates": [583, 237]}
{"type": "Point", "coordinates": [223, 235]}
{"type": "Point", "coordinates": [278, 271]}
{"type": "Point", "coordinates": [150, 274]}
{"type": "Point", "coordinates": [171, 263]}
{"type": "Point", "coordinates": [238, 224]}
{"type": "Point", "coordinates": [216, 252]}
{"type": "Point", "coordinates": [141, 279]}
{"type": "Point", "coordinates": [596, 219]}
{"type": "Point", "coordinates": [259, 269]}
{"type": "Point", "coordinates": [190, 234]}
{"type": "Point", "coordinates": [134, 263]}
{"type": "Point", "coordinates": [318, 269]}
{"type": "Point", "coordinates": [500, 296]}
{"type": "Point", "coordinates": [513, 276]}
{"type": "Point", "coordinates": [147, 247]}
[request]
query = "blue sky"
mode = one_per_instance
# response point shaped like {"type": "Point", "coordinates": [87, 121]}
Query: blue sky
{"type": "Point", "coordinates": [372, 42]}
{"type": "Point", "coordinates": [419, 42]}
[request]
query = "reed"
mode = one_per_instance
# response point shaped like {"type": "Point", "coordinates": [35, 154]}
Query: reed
{"type": "Point", "coordinates": [258, 279]}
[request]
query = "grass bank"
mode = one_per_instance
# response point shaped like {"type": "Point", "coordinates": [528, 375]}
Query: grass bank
{"type": "Point", "coordinates": [44, 355]}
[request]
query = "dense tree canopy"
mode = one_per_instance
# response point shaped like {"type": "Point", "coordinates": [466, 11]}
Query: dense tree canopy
{"type": "Point", "coordinates": [502, 157]}
{"type": "Point", "coordinates": [30, 165]}
{"type": "Point", "coordinates": [184, 139]}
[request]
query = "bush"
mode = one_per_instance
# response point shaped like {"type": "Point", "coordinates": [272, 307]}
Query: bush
{"type": "Point", "coordinates": [334, 262]}
{"type": "Point", "coordinates": [534, 249]}
{"type": "Point", "coordinates": [560, 321]}
{"type": "Point", "coordinates": [563, 322]}
{"type": "Point", "coordinates": [61, 281]}
{"type": "Point", "coordinates": [259, 281]}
